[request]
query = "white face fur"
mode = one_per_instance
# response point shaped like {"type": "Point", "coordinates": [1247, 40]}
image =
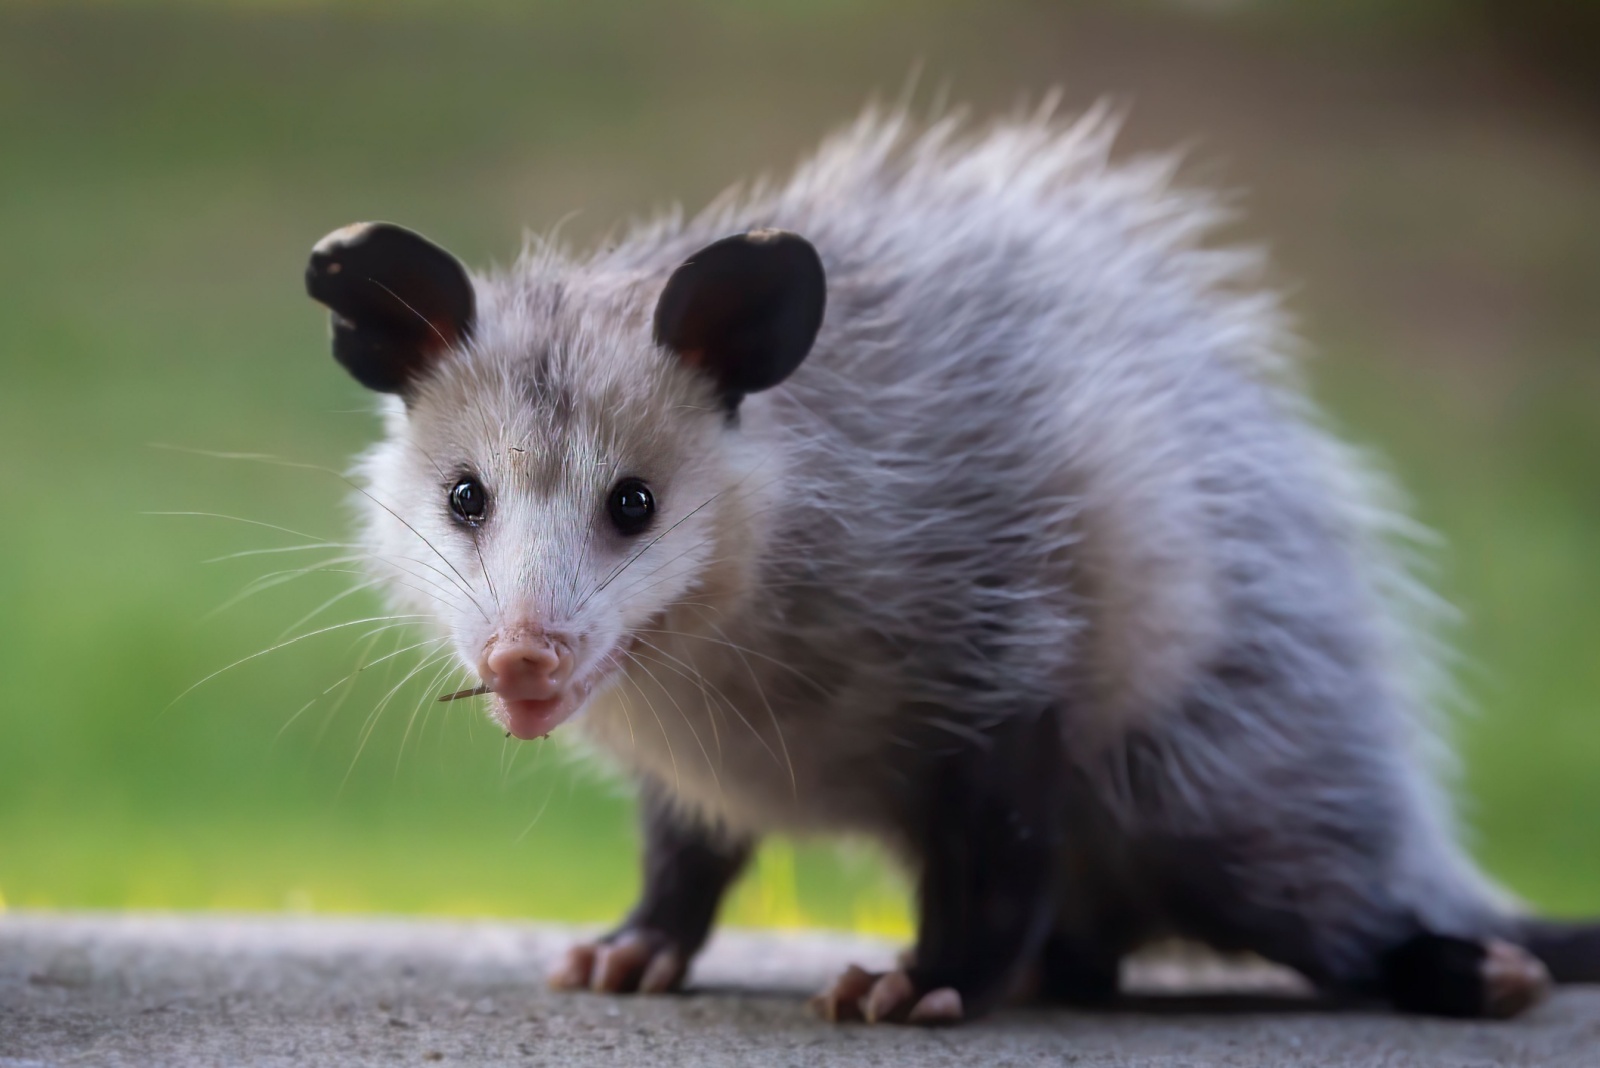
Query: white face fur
{"type": "Point", "coordinates": [564, 469]}
{"type": "Point", "coordinates": [603, 477]}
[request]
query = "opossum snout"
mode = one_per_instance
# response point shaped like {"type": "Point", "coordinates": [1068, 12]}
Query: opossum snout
{"type": "Point", "coordinates": [526, 665]}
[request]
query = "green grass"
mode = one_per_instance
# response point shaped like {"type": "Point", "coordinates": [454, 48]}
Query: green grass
{"type": "Point", "coordinates": [163, 171]}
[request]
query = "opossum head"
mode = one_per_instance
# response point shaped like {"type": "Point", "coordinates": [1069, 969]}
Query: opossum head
{"type": "Point", "coordinates": [564, 461]}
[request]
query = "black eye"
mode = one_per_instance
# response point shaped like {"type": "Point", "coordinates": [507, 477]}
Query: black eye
{"type": "Point", "coordinates": [631, 506]}
{"type": "Point", "coordinates": [468, 501]}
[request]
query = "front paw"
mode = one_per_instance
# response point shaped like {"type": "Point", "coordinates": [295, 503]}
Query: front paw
{"type": "Point", "coordinates": [886, 997]}
{"type": "Point", "coordinates": [632, 960]}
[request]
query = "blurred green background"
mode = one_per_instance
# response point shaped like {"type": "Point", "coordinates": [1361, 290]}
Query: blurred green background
{"type": "Point", "coordinates": [1427, 176]}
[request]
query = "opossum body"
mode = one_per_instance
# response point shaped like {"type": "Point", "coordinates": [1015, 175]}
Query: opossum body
{"type": "Point", "coordinates": [984, 519]}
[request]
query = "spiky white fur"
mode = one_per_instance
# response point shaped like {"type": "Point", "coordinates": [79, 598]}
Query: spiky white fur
{"type": "Point", "coordinates": [1048, 450]}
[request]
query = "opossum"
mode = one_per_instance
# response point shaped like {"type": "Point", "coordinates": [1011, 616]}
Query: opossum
{"type": "Point", "coordinates": [956, 493]}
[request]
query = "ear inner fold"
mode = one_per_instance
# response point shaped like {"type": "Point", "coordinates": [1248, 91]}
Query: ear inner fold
{"type": "Point", "coordinates": [398, 301]}
{"type": "Point", "coordinates": [745, 309]}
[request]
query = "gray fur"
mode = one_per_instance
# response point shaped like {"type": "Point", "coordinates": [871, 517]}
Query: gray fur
{"type": "Point", "coordinates": [1048, 451]}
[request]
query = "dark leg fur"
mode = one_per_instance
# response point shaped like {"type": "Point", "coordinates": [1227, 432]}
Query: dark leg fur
{"type": "Point", "coordinates": [1347, 950]}
{"type": "Point", "coordinates": [686, 872]}
{"type": "Point", "coordinates": [1439, 975]}
{"type": "Point", "coordinates": [1361, 943]}
{"type": "Point", "coordinates": [1342, 931]}
{"type": "Point", "coordinates": [1364, 944]}
{"type": "Point", "coordinates": [988, 842]}
{"type": "Point", "coordinates": [1570, 950]}
{"type": "Point", "coordinates": [1077, 972]}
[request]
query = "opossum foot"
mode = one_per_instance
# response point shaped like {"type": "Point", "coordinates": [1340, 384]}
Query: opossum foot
{"type": "Point", "coordinates": [1440, 975]}
{"type": "Point", "coordinates": [632, 960]}
{"type": "Point", "coordinates": [1513, 979]}
{"type": "Point", "coordinates": [841, 1000]}
{"type": "Point", "coordinates": [889, 997]}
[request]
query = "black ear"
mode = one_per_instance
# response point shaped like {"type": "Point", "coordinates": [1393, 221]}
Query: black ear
{"type": "Point", "coordinates": [745, 309]}
{"type": "Point", "coordinates": [398, 301]}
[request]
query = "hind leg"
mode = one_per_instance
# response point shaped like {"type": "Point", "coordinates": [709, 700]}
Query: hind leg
{"type": "Point", "coordinates": [1279, 812]}
{"type": "Point", "coordinates": [1328, 916]}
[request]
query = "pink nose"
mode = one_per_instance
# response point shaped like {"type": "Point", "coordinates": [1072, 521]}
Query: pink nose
{"type": "Point", "coordinates": [525, 666]}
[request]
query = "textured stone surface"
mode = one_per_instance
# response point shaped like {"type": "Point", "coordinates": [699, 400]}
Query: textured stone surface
{"type": "Point", "coordinates": [153, 990]}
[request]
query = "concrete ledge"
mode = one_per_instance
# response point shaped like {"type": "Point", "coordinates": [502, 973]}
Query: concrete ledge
{"type": "Point", "coordinates": [160, 990]}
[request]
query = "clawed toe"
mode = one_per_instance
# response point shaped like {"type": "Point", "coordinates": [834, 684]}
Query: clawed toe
{"type": "Point", "coordinates": [575, 968]}
{"type": "Point", "coordinates": [941, 1006]}
{"type": "Point", "coordinates": [841, 1001]}
{"type": "Point", "coordinates": [1514, 980]}
{"type": "Point", "coordinates": [631, 961]}
{"type": "Point", "coordinates": [891, 997]}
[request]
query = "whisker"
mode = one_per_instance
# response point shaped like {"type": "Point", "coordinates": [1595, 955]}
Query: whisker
{"type": "Point", "coordinates": [328, 716]}
{"type": "Point", "coordinates": [404, 620]}
{"type": "Point", "coordinates": [628, 562]}
{"type": "Point", "coordinates": [732, 706]}
{"type": "Point", "coordinates": [548, 794]}
{"type": "Point", "coordinates": [236, 519]}
{"type": "Point", "coordinates": [358, 587]}
{"type": "Point", "coordinates": [476, 545]}
{"type": "Point", "coordinates": [402, 651]}
{"type": "Point", "coordinates": [477, 548]}
{"type": "Point", "coordinates": [347, 480]}
{"type": "Point", "coordinates": [774, 661]}
{"type": "Point", "coordinates": [350, 678]}
{"type": "Point", "coordinates": [371, 640]}
{"type": "Point", "coordinates": [443, 592]}
{"type": "Point", "coordinates": [636, 589]}
{"type": "Point", "coordinates": [794, 784]}
{"type": "Point", "coordinates": [466, 587]}
{"type": "Point", "coordinates": [627, 715]}
{"type": "Point", "coordinates": [275, 551]}
{"type": "Point", "coordinates": [677, 780]}
{"type": "Point", "coordinates": [689, 672]}
{"type": "Point", "coordinates": [371, 723]}
{"type": "Point", "coordinates": [270, 580]}
{"type": "Point", "coordinates": [682, 715]}
{"type": "Point", "coordinates": [277, 578]}
{"type": "Point", "coordinates": [442, 339]}
{"type": "Point", "coordinates": [417, 707]}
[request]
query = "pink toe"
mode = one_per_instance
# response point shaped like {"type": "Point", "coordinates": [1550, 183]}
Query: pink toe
{"type": "Point", "coordinates": [618, 966]}
{"type": "Point", "coordinates": [937, 1007]}
{"type": "Point", "coordinates": [663, 973]}
{"type": "Point", "coordinates": [889, 996]}
{"type": "Point", "coordinates": [573, 972]}
{"type": "Point", "coordinates": [842, 999]}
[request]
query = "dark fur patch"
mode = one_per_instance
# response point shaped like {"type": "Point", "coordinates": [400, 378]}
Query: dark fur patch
{"type": "Point", "coordinates": [1443, 976]}
{"type": "Point", "coordinates": [1078, 971]}
{"type": "Point", "coordinates": [687, 870]}
{"type": "Point", "coordinates": [1570, 950]}
{"type": "Point", "coordinates": [989, 848]}
{"type": "Point", "coordinates": [745, 309]}
{"type": "Point", "coordinates": [398, 301]}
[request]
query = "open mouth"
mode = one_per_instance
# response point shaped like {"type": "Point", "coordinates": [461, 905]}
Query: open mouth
{"type": "Point", "coordinates": [532, 708]}
{"type": "Point", "coordinates": [527, 718]}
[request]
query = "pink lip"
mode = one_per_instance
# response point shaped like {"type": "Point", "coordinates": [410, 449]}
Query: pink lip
{"type": "Point", "coordinates": [527, 719]}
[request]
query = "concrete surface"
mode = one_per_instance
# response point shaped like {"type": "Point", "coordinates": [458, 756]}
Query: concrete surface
{"type": "Point", "coordinates": [158, 990]}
